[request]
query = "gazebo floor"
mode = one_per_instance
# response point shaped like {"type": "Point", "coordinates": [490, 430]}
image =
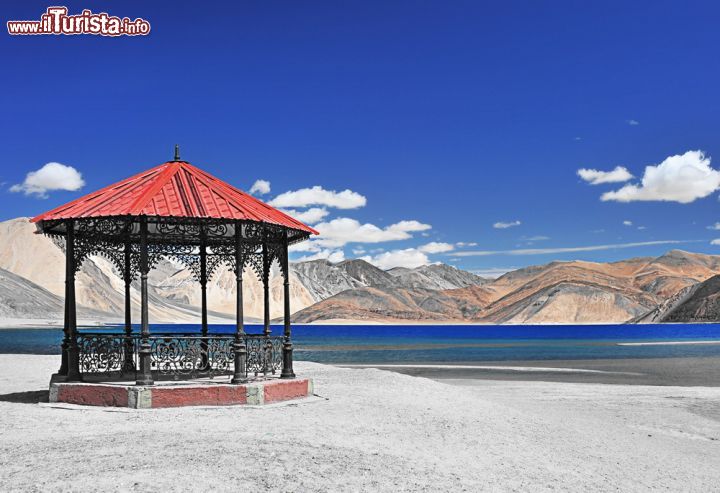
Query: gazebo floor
{"type": "Point", "coordinates": [173, 393]}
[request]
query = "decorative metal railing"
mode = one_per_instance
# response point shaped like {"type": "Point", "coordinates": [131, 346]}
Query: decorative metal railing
{"type": "Point", "coordinates": [103, 353]}
{"type": "Point", "coordinates": [181, 356]}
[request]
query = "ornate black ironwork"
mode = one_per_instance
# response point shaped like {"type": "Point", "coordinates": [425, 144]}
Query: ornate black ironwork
{"type": "Point", "coordinates": [187, 255]}
{"type": "Point", "coordinates": [264, 353]}
{"type": "Point", "coordinates": [255, 262]}
{"type": "Point", "coordinates": [213, 262]}
{"type": "Point", "coordinates": [171, 230]}
{"type": "Point", "coordinates": [248, 254]}
{"type": "Point", "coordinates": [102, 227]}
{"type": "Point", "coordinates": [186, 355]}
{"type": "Point", "coordinates": [276, 252]}
{"type": "Point", "coordinates": [102, 353]}
{"type": "Point", "coordinates": [59, 241]}
{"type": "Point", "coordinates": [178, 355]}
{"type": "Point", "coordinates": [116, 229]}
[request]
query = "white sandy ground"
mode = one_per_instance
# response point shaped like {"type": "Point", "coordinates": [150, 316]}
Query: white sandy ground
{"type": "Point", "coordinates": [377, 431]}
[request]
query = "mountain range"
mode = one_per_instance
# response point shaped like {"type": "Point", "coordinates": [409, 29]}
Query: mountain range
{"type": "Point", "coordinates": [675, 287]}
{"type": "Point", "coordinates": [558, 292]}
{"type": "Point", "coordinates": [37, 267]}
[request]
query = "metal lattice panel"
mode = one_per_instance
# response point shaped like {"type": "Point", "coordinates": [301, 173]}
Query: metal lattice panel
{"type": "Point", "coordinates": [178, 355]}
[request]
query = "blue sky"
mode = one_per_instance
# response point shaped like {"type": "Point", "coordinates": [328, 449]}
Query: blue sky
{"type": "Point", "coordinates": [453, 115]}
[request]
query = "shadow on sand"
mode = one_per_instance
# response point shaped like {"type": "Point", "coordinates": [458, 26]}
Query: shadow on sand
{"type": "Point", "coordinates": [30, 397]}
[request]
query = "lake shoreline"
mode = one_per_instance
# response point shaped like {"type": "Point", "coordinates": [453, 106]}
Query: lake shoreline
{"type": "Point", "coordinates": [680, 371]}
{"type": "Point", "coordinates": [89, 323]}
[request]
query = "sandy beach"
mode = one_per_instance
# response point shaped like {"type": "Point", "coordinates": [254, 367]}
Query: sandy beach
{"type": "Point", "coordinates": [372, 430]}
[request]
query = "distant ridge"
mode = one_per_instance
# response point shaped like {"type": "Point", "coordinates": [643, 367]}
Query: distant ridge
{"type": "Point", "coordinates": [175, 296]}
{"type": "Point", "coordinates": [665, 288]}
{"type": "Point", "coordinates": [558, 292]}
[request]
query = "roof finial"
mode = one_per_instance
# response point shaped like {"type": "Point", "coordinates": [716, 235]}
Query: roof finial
{"type": "Point", "coordinates": [177, 153]}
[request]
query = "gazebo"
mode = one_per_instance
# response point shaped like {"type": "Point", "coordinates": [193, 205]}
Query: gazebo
{"type": "Point", "coordinates": [182, 213]}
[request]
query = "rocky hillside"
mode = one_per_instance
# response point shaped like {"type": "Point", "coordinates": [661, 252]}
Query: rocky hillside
{"type": "Point", "coordinates": [702, 305]}
{"type": "Point", "coordinates": [324, 279]}
{"type": "Point", "coordinates": [695, 304]}
{"type": "Point", "coordinates": [435, 276]}
{"type": "Point", "coordinates": [22, 299]}
{"type": "Point", "coordinates": [384, 304]}
{"type": "Point", "coordinates": [558, 292]}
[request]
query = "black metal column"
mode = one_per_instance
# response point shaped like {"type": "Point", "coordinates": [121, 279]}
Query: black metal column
{"type": "Point", "coordinates": [144, 376]}
{"type": "Point", "coordinates": [287, 362]}
{"type": "Point", "coordinates": [205, 360]}
{"type": "Point", "coordinates": [266, 290]}
{"type": "Point", "coordinates": [127, 273]}
{"type": "Point", "coordinates": [203, 290]}
{"type": "Point", "coordinates": [73, 351]}
{"type": "Point", "coordinates": [266, 309]}
{"type": "Point", "coordinates": [239, 347]}
{"type": "Point", "coordinates": [65, 346]}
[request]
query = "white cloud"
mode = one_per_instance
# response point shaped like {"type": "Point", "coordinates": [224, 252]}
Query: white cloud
{"type": "Point", "coordinates": [642, 228]}
{"type": "Point", "coordinates": [502, 225]}
{"type": "Point", "coordinates": [535, 238]}
{"type": "Point", "coordinates": [632, 122]}
{"type": "Point", "coordinates": [333, 256]}
{"type": "Point", "coordinates": [462, 244]}
{"type": "Point", "coordinates": [546, 251]}
{"type": "Point", "coordinates": [627, 223]}
{"type": "Point", "coordinates": [317, 195]}
{"type": "Point", "coordinates": [596, 177]}
{"type": "Point", "coordinates": [682, 178]}
{"type": "Point", "coordinates": [714, 227]}
{"type": "Point", "coordinates": [436, 247]}
{"type": "Point", "coordinates": [309, 216]}
{"type": "Point", "coordinates": [260, 187]}
{"type": "Point", "coordinates": [409, 258]}
{"type": "Point", "coordinates": [715, 242]}
{"type": "Point", "coordinates": [359, 251]}
{"type": "Point", "coordinates": [344, 230]}
{"type": "Point", "coordinates": [304, 246]}
{"type": "Point", "coordinates": [52, 176]}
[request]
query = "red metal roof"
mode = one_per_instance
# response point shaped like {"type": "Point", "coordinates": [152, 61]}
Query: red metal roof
{"type": "Point", "coordinates": [173, 189]}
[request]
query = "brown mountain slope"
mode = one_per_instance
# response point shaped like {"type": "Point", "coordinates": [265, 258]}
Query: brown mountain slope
{"type": "Point", "coordinates": [676, 270]}
{"type": "Point", "coordinates": [588, 292]}
{"type": "Point", "coordinates": [569, 301]}
{"type": "Point", "coordinates": [559, 292]}
{"type": "Point", "coordinates": [573, 292]}
{"type": "Point", "coordinates": [387, 304]}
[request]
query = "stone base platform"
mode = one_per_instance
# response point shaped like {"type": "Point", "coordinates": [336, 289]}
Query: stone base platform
{"type": "Point", "coordinates": [178, 394]}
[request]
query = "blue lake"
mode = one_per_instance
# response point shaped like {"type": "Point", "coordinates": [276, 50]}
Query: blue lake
{"type": "Point", "coordinates": [445, 344]}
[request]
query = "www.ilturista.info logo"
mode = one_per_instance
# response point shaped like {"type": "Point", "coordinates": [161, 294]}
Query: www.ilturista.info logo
{"type": "Point", "coordinates": [57, 21]}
